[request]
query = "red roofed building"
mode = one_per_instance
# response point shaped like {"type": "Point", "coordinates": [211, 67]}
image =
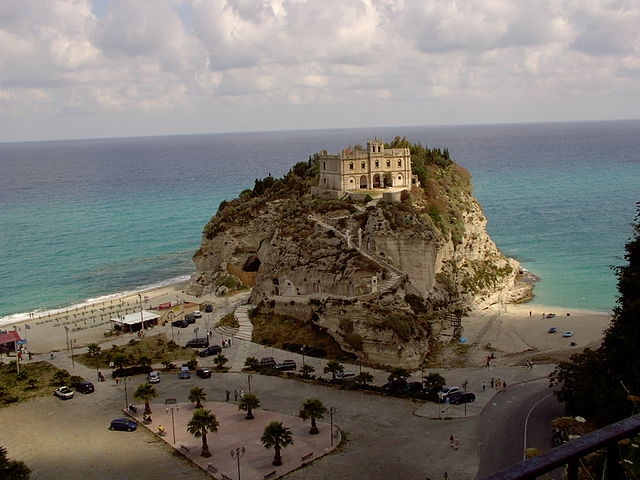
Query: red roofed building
{"type": "Point", "coordinates": [8, 340]}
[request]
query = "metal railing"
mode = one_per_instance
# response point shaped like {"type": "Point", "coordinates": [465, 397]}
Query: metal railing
{"type": "Point", "coordinates": [570, 453]}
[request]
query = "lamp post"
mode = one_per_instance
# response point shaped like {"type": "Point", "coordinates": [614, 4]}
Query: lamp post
{"type": "Point", "coordinates": [249, 377]}
{"type": "Point", "coordinates": [237, 453]}
{"type": "Point", "coordinates": [73, 363]}
{"type": "Point", "coordinates": [302, 350]}
{"type": "Point", "coordinates": [331, 410]}
{"type": "Point", "coordinates": [126, 380]}
{"type": "Point", "coordinates": [66, 331]}
{"type": "Point", "coordinates": [141, 312]}
{"type": "Point", "coordinates": [173, 422]}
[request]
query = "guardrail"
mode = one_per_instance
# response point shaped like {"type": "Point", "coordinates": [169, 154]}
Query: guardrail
{"type": "Point", "coordinates": [570, 453]}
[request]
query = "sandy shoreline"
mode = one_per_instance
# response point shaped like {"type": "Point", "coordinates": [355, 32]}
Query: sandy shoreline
{"type": "Point", "coordinates": [516, 332]}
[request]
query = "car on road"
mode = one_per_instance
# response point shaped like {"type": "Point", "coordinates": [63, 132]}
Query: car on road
{"type": "Point", "coordinates": [346, 376]}
{"type": "Point", "coordinates": [462, 397]}
{"type": "Point", "coordinates": [567, 334]}
{"type": "Point", "coordinates": [267, 362]}
{"type": "Point", "coordinates": [85, 387]}
{"type": "Point", "coordinates": [65, 393]}
{"type": "Point", "coordinates": [198, 342]}
{"type": "Point", "coordinates": [286, 365]}
{"type": "Point", "coordinates": [197, 314]}
{"type": "Point", "coordinates": [124, 424]}
{"type": "Point", "coordinates": [210, 350]}
{"type": "Point", "coordinates": [184, 372]}
{"type": "Point", "coordinates": [552, 330]}
{"type": "Point", "coordinates": [208, 308]}
{"type": "Point", "coordinates": [190, 318]}
{"type": "Point", "coordinates": [446, 391]}
{"type": "Point", "coordinates": [153, 377]}
{"type": "Point", "coordinates": [203, 372]}
{"type": "Point", "coordinates": [180, 323]}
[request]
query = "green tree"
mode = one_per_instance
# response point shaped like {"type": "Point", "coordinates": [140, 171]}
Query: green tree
{"type": "Point", "coordinates": [93, 349]}
{"type": "Point", "coordinates": [277, 436]}
{"type": "Point", "coordinates": [202, 422]}
{"type": "Point", "coordinates": [306, 370]}
{"type": "Point", "coordinates": [252, 363]}
{"type": "Point", "coordinates": [312, 409]}
{"type": "Point", "coordinates": [145, 393]}
{"type": "Point", "coordinates": [333, 367]}
{"type": "Point", "coordinates": [12, 469]}
{"type": "Point", "coordinates": [398, 373]}
{"type": "Point", "coordinates": [364, 378]}
{"type": "Point", "coordinates": [197, 395]}
{"type": "Point", "coordinates": [61, 377]}
{"type": "Point", "coordinates": [247, 403]}
{"type": "Point", "coordinates": [220, 360]}
{"type": "Point", "coordinates": [598, 383]}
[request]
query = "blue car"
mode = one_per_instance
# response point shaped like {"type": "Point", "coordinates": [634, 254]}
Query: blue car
{"type": "Point", "coordinates": [552, 330]}
{"type": "Point", "coordinates": [124, 424]}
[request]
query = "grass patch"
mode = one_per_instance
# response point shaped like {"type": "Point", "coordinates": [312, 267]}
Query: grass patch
{"type": "Point", "coordinates": [229, 320]}
{"type": "Point", "coordinates": [36, 380]}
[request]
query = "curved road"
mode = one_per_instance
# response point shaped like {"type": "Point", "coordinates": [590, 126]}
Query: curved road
{"type": "Point", "coordinates": [502, 425]}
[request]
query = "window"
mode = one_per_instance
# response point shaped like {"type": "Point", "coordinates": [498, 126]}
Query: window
{"type": "Point", "coordinates": [351, 166]}
{"type": "Point", "coordinates": [399, 163]}
{"type": "Point", "coordinates": [324, 165]}
{"type": "Point", "coordinates": [388, 163]}
{"type": "Point", "coordinates": [377, 163]}
{"type": "Point", "coordinates": [363, 165]}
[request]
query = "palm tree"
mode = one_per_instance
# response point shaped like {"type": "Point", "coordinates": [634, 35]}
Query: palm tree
{"type": "Point", "coordinates": [306, 370]}
{"type": "Point", "coordinates": [277, 436]}
{"type": "Point", "coordinates": [334, 367]}
{"type": "Point", "coordinates": [364, 378]}
{"type": "Point", "coordinates": [203, 422]}
{"type": "Point", "coordinates": [197, 395]}
{"type": "Point", "coordinates": [312, 409]}
{"type": "Point", "coordinates": [145, 393]}
{"type": "Point", "coordinates": [220, 360]}
{"type": "Point", "coordinates": [248, 402]}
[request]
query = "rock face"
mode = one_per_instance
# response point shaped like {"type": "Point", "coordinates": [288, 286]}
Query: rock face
{"type": "Point", "coordinates": [383, 278]}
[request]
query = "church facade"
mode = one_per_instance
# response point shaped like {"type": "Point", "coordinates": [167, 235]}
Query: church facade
{"type": "Point", "coordinates": [356, 169]}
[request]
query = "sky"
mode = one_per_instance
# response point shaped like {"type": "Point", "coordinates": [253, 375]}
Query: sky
{"type": "Point", "coordinates": [122, 68]}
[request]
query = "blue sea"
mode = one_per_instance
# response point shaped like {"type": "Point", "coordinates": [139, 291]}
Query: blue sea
{"type": "Point", "coordinates": [84, 219]}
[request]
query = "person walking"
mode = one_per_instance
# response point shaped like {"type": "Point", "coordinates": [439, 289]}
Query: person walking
{"type": "Point", "coordinates": [235, 395]}
{"type": "Point", "coordinates": [227, 394]}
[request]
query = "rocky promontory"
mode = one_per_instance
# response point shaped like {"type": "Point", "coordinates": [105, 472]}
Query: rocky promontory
{"type": "Point", "coordinates": [388, 272]}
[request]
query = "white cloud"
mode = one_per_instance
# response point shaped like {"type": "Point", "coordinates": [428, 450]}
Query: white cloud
{"type": "Point", "coordinates": [427, 61]}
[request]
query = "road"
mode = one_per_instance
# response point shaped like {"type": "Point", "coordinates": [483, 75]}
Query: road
{"type": "Point", "coordinates": [502, 425]}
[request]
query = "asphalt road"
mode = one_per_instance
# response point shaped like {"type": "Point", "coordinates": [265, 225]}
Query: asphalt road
{"type": "Point", "coordinates": [530, 405]}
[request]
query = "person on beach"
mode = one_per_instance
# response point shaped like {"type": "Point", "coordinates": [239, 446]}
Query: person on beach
{"type": "Point", "coordinates": [227, 394]}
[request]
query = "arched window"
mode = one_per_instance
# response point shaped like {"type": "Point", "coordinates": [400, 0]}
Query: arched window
{"type": "Point", "coordinates": [399, 163]}
{"type": "Point", "coordinates": [377, 163]}
{"type": "Point", "coordinates": [363, 165]}
{"type": "Point", "coordinates": [388, 163]}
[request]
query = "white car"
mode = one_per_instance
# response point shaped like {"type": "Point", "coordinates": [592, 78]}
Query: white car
{"type": "Point", "coordinates": [346, 376]}
{"type": "Point", "coordinates": [153, 377]}
{"type": "Point", "coordinates": [446, 391]}
{"type": "Point", "coordinates": [567, 334]}
{"type": "Point", "coordinates": [65, 393]}
{"type": "Point", "coordinates": [197, 314]}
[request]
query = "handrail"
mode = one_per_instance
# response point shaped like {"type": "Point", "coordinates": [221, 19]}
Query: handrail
{"type": "Point", "coordinates": [570, 453]}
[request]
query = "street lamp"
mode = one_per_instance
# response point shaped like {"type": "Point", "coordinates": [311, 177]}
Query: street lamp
{"type": "Point", "coordinates": [173, 422]}
{"type": "Point", "coordinates": [141, 312]}
{"type": "Point", "coordinates": [73, 363]}
{"type": "Point", "coordinates": [302, 350]}
{"type": "Point", "coordinates": [66, 331]}
{"type": "Point", "coordinates": [126, 380]}
{"type": "Point", "coordinates": [237, 453]}
{"type": "Point", "coordinates": [331, 411]}
{"type": "Point", "coordinates": [249, 377]}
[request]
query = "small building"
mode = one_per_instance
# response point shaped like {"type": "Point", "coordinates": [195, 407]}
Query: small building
{"type": "Point", "coordinates": [9, 341]}
{"type": "Point", "coordinates": [356, 169]}
{"type": "Point", "coordinates": [133, 321]}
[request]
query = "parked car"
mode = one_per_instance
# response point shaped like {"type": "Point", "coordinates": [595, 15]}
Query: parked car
{"type": "Point", "coordinates": [552, 330]}
{"type": "Point", "coordinates": [462, 397]}
{"type": "Point", "coordinates": [153, 377]}
{"type": "Point", "coordinates": [190, 318]}
{"type": "Point", "coordinates": [65, 393]}
{"type": "Point", "coordinates": [184, 372]}
{"type": "Point", "coordinates": [267, 362]}
{"type": "Point", "coordinates": [446, 391]}
{"type": "Point", "coordinates": [203, 373]}
{"type": "Point", "coordinates": [210, 350]}
{"type": "Point", "coordinates": [197, 314]}
{"type": "Point", "coordinates": [346, 376]}
{"type": "Point", "coordinates": [395, 387]}
{"type": "Point", "coordinates": [85, 387]}
{"type": "Point", "coordinates": [208, 308]}
{"type": "Point", "coordinates": [286, 365]}
{"type": "Point", "coordinates": [198, 342]}
{"type": "Point", "coordinates": [180, 323]}
{"type": "Point", "coordinates": [125, 424]}
{"type": "Point", "coordinates": [567, 334]}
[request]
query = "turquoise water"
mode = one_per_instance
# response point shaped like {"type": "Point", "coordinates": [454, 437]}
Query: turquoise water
{"type": "Point", "coordinates": [85, 219]}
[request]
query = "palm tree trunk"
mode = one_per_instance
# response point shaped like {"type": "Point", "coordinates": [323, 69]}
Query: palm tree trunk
{"type": "Point", "coordinates": [314, 428]}
{"type": "Point", "coordinates": [147, 408]}
{"type": "Point", "coordinates": [205, 447]}
{"type": "Point", "coordinates": [249, 413]}
{"type": "Point", "coordinates": [277, 459]}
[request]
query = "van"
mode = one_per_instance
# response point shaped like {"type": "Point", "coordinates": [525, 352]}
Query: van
{"type": "Point", "coordinates": [198, 343]}
{"type": "Point", "coordinates": [184, 372]}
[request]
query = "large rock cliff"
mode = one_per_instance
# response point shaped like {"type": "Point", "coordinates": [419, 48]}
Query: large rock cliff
{"type": "Point", "coordinates": [386, 279]}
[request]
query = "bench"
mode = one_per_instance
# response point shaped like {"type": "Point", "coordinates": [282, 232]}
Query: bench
{"type": "Point", "coordinates": [306, 457]}
{"type": "Point", "coordinates": [182, 447]}
{"type": "Point", "coordinates": [270, 474]}
{"type": "Point", "coordinates": [211, 467]}
{"type": "Point", "coordinates": [225, 477]}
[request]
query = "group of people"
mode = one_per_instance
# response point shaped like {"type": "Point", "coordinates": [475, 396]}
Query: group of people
{"type": "Point", "coordinates": [497, 383]}
{"type": "Point", "coordinates": [454, 442]}
{"type": "Point", "coordinates": [235, 395]}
